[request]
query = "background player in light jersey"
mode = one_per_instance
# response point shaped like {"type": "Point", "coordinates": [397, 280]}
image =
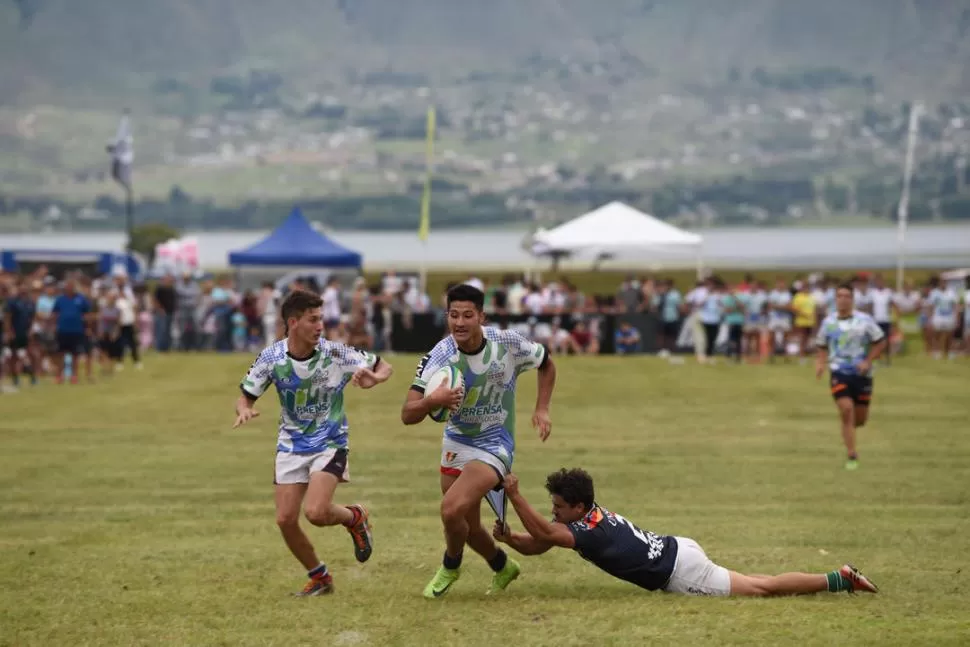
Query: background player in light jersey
{"type": "Point", "coordinates": [479, 437]}
{"type": "Point", "coordinates": [735, 303]}
{"type": "Point", "coordinates": [942, 311]}
{"type": "Point", "coordinates": [756, 321]}
{"type": "Point", "coordinates": [966, 316]}
{"type": "Point", "coordinates": [848, 343]}
{"type": "Point", "coordinates": [862, 296]}
{"type": "Point", "coordinates": [310, 374]}
{"type": "Point", "coordinates": [779, 317]}
{"type": "Point", "coordinates": [664, 562]}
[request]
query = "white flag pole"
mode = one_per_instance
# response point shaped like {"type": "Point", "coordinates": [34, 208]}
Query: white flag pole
{"type": "Point", "coordinates": [902, 213]}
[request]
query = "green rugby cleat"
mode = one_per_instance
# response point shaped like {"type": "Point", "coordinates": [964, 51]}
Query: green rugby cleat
{"type": "Point", "coordinates": [441, 582]}
{"type": "Point", "coordinates": [502, 579]}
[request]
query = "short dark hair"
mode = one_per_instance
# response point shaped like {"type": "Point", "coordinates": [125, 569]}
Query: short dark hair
{"type": "Point", "coordinates": [465, 292]}
{"type": "Point", "coordinates": [574, 486]}
{"type": "Point", "coordinates": [297, 302]}
{"type": "Point", "coordinates": [846, 286]}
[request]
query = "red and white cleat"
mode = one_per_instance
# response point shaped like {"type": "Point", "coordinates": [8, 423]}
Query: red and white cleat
{"type": "Point", "coordinates": [859, 581]}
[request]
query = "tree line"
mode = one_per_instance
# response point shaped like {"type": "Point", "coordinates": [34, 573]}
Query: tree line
{"type": "Point", "coordinates": [940, 191]}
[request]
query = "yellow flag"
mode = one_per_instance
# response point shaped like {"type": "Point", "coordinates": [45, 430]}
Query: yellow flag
{"type": "Point", "coordinates": [425, 225]}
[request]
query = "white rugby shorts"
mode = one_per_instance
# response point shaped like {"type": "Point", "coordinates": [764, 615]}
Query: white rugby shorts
{"type": "Point", "coordinates": [943, 324]}
{"type": "Point", "coordinates": [293, 469]}
{"type": "Point", "coordinates": [755, 326]}
{"type": "Point", "coordinates": [695, 573]}
{"type": "Point", "coordinates": [777, 325]}
{"type": "Point", "coordinates": [455, 455]}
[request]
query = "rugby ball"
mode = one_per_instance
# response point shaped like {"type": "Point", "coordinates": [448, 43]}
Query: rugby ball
{"type": "Point", "coordinates": [445, 376]}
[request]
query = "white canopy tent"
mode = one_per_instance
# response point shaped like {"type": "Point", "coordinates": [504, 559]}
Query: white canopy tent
{"type": "Point", "coordinates": [613, 228]}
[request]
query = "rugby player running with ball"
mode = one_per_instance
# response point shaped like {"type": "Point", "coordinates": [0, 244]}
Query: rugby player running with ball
{"type": "Point", "coordinates": [479, 436]}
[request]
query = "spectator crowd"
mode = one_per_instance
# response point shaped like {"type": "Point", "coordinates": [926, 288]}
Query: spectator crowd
{"type": "Point", "coordinates": [63, 328]}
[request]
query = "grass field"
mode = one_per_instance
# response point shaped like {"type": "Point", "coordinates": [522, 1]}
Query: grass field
{"type": "Point", "coordinates": [132, 514]}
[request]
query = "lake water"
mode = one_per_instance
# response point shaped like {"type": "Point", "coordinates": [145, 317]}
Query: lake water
{"type": "Point", "coordinates": [933, 246]}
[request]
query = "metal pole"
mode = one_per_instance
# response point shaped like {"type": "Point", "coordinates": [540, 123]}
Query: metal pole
{"type": "Point", "coordinates": [129, 215]}
{"type": "Point", "coordinates": [902, 213]}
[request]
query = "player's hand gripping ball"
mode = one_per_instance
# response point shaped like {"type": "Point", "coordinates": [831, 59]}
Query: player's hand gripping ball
{"type": "Point", "coordinates": [446, 390]}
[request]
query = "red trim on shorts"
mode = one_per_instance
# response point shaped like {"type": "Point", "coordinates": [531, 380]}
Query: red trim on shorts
{"type": "Point", "coordinates": [450, 471]}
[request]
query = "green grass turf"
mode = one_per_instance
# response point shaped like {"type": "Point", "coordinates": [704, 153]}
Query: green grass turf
{"type": "Point", "coordinates": [132, 514]}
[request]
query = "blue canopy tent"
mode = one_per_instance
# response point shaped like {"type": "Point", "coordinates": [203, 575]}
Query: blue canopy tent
{"type": "Point", "coordinates": [296, 243]}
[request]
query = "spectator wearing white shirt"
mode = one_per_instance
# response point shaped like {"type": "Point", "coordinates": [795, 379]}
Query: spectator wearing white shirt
{"type": "Point", "coordinates": [534, 303]}
{"type": "Point", "coordinates": [818, 287]}
{"type": "Point", "coordinates": [863, 296]}
{"type": "Point", "coordinates": [391, 283]}
{"type": "Point", "coordinates": [416, 300]}
{"type": "Point", "coordinates": [909, 300]}
{"type": "Point", "coordinates": [555, 298]}
{"type": "Point", "coordinates": [711, 314]}
{"type": "Point", "coordinates": [475, 282]}
{"type": "Point", "coordinates": [127, 339]}
{"type": "Point", "coordinates": [695, 300]}
{"type": "Point", "coordinates": [924, 319]}
{"type": "Point", "coordinates": [516, 297]}
{"type": "Point", "coordinates": [266, 306]}
{"type": "Point", "coordinates": [331, 306]}
{"type": "Point", "coordinates": [883, 305]}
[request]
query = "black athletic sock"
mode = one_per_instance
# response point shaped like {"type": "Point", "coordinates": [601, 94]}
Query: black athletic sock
{"type": "Point", "coordinates": [497, 563]}
{"type": "Point", "coordinates": [451, 563]}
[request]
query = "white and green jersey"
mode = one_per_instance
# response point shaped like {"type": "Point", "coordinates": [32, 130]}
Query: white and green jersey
{"type": "Point", "coordinates": [311, 392]}
{"type": "Point", "coordinates": [486, 419]}
{"type": "Point", "coordinates": [848, 341]}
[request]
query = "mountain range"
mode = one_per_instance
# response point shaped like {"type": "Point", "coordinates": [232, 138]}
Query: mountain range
{"type": "Point", "coordinates": [70, 52]}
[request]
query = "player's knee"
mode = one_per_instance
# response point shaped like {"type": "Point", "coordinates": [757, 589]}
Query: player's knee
{"type": "Point", "coordinates": [320, 515]}
{"type": "Point", "coordinates": [286, 519]}
{"type": "Point", "coordinates": [453, 509]}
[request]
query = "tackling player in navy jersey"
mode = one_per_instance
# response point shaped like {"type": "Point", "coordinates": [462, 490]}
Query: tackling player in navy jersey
{"type": "Point", "coordinates": [617, 546]}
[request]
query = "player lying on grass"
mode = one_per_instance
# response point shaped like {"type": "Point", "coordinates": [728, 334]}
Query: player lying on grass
{"type": "Point", "coordinates": [310, 374]}
{"type": "Point", "coordinates": [672, 564]}
{"type": "Point", "coordinates": [479, 437]}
